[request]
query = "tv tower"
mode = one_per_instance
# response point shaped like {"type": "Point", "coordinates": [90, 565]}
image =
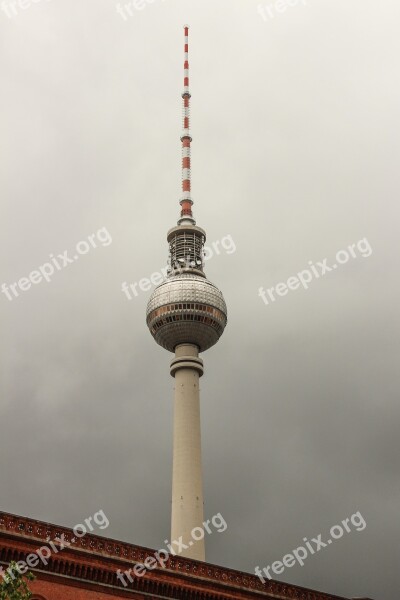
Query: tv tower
{"type": "Point", "coordinates": [186, 314]}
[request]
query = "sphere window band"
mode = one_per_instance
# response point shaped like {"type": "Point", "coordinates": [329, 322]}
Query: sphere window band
{"type": "Point", "coordinates": [184, 306]}
{"type": "Point", "coordinates": [166, 310]}
{"type": "Point", "coordinates": [174, 318]}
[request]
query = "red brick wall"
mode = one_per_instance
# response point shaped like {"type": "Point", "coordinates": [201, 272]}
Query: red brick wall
{"type": "Point", "coordinates": [48, 590]}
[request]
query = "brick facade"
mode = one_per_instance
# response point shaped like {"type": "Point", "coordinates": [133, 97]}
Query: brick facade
{"type": "Point", "coordinates": [87, 570]}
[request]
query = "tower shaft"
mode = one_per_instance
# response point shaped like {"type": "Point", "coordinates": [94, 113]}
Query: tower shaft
{"type": "Point", "coordinates": [187, 478]}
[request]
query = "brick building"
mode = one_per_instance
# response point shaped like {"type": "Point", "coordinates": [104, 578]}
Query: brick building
{"type": "Point", "coordinates": [87, 570]}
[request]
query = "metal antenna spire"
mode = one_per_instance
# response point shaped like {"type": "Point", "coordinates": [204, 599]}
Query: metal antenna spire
{"type": "Point", "coordinates": [186, 200]}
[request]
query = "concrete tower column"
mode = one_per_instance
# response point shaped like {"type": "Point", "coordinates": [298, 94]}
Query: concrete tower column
{"type": "Point", "coordinates": [187, 479]}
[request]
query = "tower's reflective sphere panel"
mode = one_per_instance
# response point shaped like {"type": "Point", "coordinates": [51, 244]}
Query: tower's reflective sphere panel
{"type": "Point", "coordinates": [186, 309]}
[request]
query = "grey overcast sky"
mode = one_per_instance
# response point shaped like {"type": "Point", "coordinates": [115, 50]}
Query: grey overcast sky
{"type": "Point", "coordinates": [295, 124]}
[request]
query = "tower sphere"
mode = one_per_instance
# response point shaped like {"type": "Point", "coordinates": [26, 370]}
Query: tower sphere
{"type": "Point", "coordinates": [186, 309]}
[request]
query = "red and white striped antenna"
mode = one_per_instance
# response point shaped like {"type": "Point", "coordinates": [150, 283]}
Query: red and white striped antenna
{"type": "Point", "coordinates": [186, 200]}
